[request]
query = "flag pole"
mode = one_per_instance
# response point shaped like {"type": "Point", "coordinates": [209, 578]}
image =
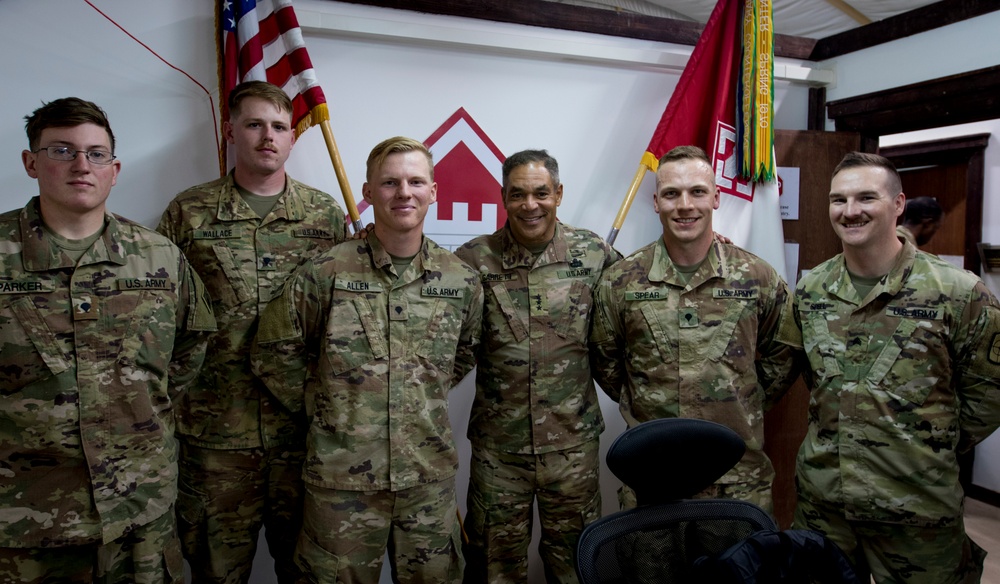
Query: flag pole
{"type": "Point", "coordinates": [627, 202]}
{"type": "Point", "coordinates": [338, 167]}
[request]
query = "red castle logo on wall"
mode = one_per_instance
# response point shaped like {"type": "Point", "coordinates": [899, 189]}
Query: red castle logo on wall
{"type": "Point", "coordinates": [468, 171]}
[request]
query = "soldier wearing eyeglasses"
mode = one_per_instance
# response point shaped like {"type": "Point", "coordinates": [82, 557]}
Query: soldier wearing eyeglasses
{"type": "Point", "coordinates": [102, 326]}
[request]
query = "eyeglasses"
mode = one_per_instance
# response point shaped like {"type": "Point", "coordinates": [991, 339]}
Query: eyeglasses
{"type": "Point", "coordinates": [101, 157]}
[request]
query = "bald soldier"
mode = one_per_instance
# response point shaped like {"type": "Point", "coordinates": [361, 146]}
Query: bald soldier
{"type": "Point", "coordinates": [688, 327]}
{"type": "Point", "coordinates": [904, 374]}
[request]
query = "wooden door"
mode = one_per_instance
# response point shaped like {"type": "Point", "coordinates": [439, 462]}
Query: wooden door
{"type": "Point", "coordinates": [815, 154]}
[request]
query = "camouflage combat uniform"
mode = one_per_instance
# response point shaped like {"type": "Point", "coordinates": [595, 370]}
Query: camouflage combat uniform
{"type": "Point", "coordinates": [905, 234]}
{"type": "Point", "coordinates": [241, 450]}
{"type": "Point", "coordinates": [900, 382]}
{"type": "Point", "coordinates": [92, 361]}
{"type": "Point", "coordinates": [663, 349]}
{"type": "Point", "coordinates": [371, 359]}
{"type": "Point", "coordinates": [536, 422]}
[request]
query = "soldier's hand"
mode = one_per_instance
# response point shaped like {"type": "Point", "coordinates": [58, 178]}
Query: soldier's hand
{"type": "Point", "coordinates": [363, 234]}
{"type": "Point", "coordinates": [721, 238]}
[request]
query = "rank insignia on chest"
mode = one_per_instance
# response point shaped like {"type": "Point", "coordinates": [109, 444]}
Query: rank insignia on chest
{"type": "Point", "coordinates": [85, 308]}
{"type": "Point", "coordinates": [267, 263]}
{"type": "Point", "coordinates": [994, 354]}
{"type": "Point", "coordinates": [687, 317]}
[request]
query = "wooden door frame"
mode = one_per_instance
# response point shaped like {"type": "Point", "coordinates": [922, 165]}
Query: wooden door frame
{"type": "Point", "coordinates": [969, 150]}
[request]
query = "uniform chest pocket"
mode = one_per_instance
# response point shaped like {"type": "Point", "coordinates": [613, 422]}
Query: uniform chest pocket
{"type": "Point", "coordinates": [233, 287]}
{"type": "Point", "coordinates": [443, 332]}
{"type": "Point", "coordinates": [30, 351]}
{"type": "Point", "coordinates": [354, 334]}
{"type": "Point", "coordinates": [662, 342]}
{"type": "Point", "coordinates": [570, 307]}
{"type": "Point", "coordinates": [722, 344]}
{"type": "Point", "coordinates": [907, 366]}
{"type": "Point", "coordinates": [502, 321]}
{"type": "Point", "coordinates": [137, 329]}
{"type": "Point", "coordinates": [821, 348]}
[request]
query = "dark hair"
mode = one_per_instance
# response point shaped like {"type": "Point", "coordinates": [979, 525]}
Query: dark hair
{"type": "Point", "coordinates": [922, 208]}
{"type": "Point", "coordinates": [863, 159]}
{"type": "Point", "coordinates": [685, 153]}
{"type": "Point", "coordinates": [269, 92]}
{"type": "Point", "coordinates": [396, 145]}
{"type": "Point", "coordinates": [65, 112]}
{"type": "Point", "coordinates": [527, 157]}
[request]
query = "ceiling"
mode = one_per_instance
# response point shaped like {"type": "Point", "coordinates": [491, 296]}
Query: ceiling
{"type": "Point", "coordinates": [806, 18]}
{"type": "Point", "coordinates": [813, 30]}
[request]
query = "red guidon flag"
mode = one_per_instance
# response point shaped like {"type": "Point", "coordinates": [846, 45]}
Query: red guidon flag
{"type": "Point", "coordinates": [722, 75]}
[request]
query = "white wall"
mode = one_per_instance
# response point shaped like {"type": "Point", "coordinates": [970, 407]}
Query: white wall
{"type": "Point", "coordinates": [595, 117]}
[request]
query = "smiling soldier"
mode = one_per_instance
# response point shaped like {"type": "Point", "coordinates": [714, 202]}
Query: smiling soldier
{"type": "Point", "coordinates": [904, 374]}
{"type": "Point", "coordinates": [687, 327]}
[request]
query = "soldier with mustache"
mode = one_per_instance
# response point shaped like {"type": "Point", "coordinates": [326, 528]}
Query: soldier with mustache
{"type": "Point", "coordinates": [242, 451]}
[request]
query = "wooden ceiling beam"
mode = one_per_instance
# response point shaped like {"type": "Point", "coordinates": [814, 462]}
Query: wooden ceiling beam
{"type": "Point", "coordinates": [583, 19]}
{"type": "Point", "coordinates": [956, 99]}
{"type": "Point", "coordinates": [653, 28]}
{"type": "Point", "coordinates": [900, 26]}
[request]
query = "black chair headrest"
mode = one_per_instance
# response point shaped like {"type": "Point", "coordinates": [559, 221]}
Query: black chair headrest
{"type": "Point", "coordinates": [673, 458]}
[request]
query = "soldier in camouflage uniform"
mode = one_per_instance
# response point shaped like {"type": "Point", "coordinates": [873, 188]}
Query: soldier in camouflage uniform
{"type": "Point", "coordinates": [102, 327]}
{"type": "Point", "coordinates": [904, 373]}
{"type": "Point", "coordinates": [687, 327]}
{"type": "Point", "coordinates": [368, 339]}
{"type": "Point", "coordinates": [536, 422]}
{"type": "Point", "coordinates": [245, 233]}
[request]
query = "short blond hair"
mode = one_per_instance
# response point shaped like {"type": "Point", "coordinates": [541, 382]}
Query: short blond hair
{"type": "Point", "coordinates": [396, 145]}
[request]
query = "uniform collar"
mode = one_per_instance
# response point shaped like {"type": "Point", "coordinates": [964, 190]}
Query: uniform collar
{"type": "Point", "coordinates": [41, 254]}
{"type": "Point", "coordinates": [838, 283]}
{"type": "Point", "coordinates": [663, 270]}
{"type": "Point", "coordinates": [516, 255]}
{"type": "Point", "coordinates": [232, 207]}
{"type": "Point", "coordinates": [381, 258]}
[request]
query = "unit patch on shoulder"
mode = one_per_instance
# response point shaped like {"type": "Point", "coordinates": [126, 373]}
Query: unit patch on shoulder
{"type": "Point", "coordinates": [994, 354]}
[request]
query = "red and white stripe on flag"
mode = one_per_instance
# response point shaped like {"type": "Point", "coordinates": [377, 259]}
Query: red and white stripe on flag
{"type": "Point", "coordinates": [262, 40]}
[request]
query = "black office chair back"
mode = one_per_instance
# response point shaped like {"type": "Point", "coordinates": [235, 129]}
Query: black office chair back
{"type": "Point", "coordinates": [660, 543]}
{"type": "Point", "coordinates": [672, 539]}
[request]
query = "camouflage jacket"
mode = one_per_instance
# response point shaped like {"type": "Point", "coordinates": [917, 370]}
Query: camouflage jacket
{"type": "Point", "coordinates": [534, 393]}
{"type": "Point", "coordinates": [707, 350]}
{"type": "Point", "coordinates": [371, 359]}
{"type": "Point", "coordinates": [900, 382]}
{"type": "Point", "coordinates": [243, 260]}
{"type": "Point", "coordinates": [92, 360]}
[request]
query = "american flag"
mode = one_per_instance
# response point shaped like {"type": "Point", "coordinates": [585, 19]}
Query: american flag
{"type": "Point", "coordinates": [261, 40]}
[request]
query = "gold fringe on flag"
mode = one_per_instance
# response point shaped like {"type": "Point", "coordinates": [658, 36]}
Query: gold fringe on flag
{"type": "Point", "coordinates": [757, 91]}
{"type": "Point", "coordinates": [316, 116]}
